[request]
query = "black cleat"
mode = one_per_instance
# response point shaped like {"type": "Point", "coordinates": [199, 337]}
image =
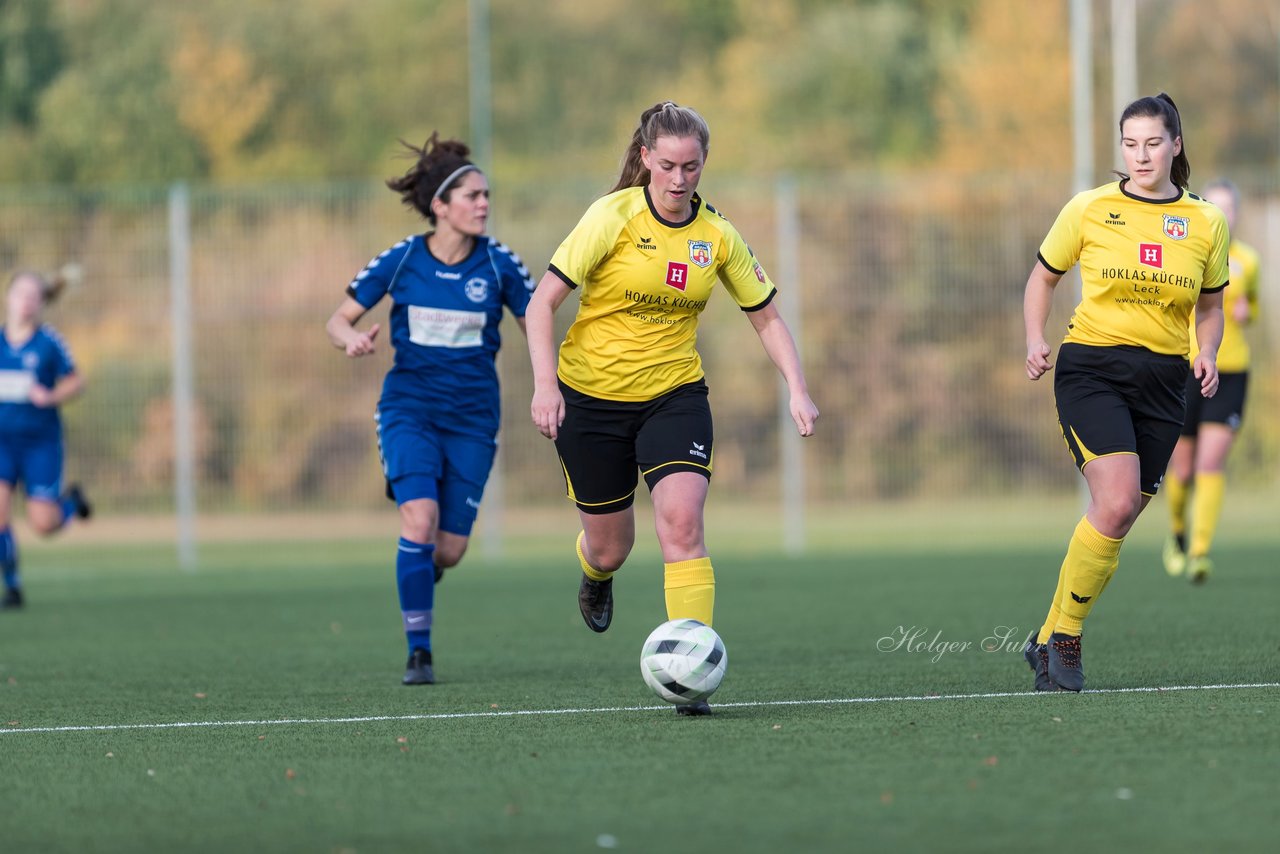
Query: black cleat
{"type": "Point", "coordinates": [12, 599]}
{"type": "Point", "coordinates": [83, 509]}
{"type": "Point", "coordinates": [418, 669]}
{"type": "Point", "coordinates": [1037, 655]}
{"type": "Point", "coordinates": [595, 601]}
{"type": "Point", "coordinates": [701, 707]}
{"type": "Point", "coordinates": [1065, 662]}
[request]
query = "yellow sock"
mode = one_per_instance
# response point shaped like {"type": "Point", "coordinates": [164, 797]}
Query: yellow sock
{"type": "Point", "coordinates": [690, 588]}
{"type": "Point", "coordinates": [1206, 507]}
{"type": "Point", "coordinates": [1092, 559]}
{"type": "Point", "coordinates": [1176, 489]}
{"type": "Point", "coordinates": [590, 571]}
{"type": "Point", "coordinates": [1052, 620]}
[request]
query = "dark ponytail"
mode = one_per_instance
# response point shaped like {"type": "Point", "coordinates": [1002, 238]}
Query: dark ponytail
{"type": "Point", "coordinates": [664, 119]}
{"type": "Point", "coordinates": [1162, 107]}
{"type": "Point", "coordinates": [53, 285]}
{"type": "Point", "coordinates": [435, 162]}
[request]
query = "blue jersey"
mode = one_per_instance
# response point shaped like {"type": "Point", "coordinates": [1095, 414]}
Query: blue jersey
{"type": "Point", "coordinates": [444, 328]}
{"type": "Point", "coordinates": [43, 358]}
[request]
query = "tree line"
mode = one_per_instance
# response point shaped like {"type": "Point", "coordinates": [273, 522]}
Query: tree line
{"type": "Point", "coordinates": [99, 92]}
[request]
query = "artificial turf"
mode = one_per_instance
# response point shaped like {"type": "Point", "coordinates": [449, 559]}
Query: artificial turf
{"type": "Point", "coordinates": [276, 633]}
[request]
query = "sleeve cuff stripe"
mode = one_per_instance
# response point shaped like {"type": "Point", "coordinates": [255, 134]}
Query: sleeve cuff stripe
{"type": "Point", "coordinates": [552, 268]}
{"type": "Point", "coordinates": [773, 293]}
{"type": "Point", "coordinates": [1050, 267]}
{"type": "Point", "coordinates": [1216, 290]}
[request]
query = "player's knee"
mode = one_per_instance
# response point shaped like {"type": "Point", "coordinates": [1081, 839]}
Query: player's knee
{"type": "Point", "coordinates": [449, 554]}
{"type": "Point", "coordinates": [417, 523]}
{"type": "Point", "coordinates": [609, 556]}
{"type": "Point", "coordinates": [682, 531]}
{"type": "Point", "coordinates": [1117, 513]}
{"type": "Point", "coordinates": [44, 521]}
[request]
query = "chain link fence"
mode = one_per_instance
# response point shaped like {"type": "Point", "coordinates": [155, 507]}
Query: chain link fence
{"type": "Point", "coordinates": [908, 297]}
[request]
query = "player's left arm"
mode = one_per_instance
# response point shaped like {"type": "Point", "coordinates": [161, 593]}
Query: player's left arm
{"type": "Point", "coordinates": [1209, 322]}
{"type": "Point", "coordinates": [1209, 316]}
{"type": "Point", "coordinates": [66, 387]}
{"type": "Point", "coordinates": [517, 287]}
{"type": "Point", "coordinates": [1244, 309]}
{"type": "Point", "coordinates": [781, 347]}
{"type": "Point", "coordinates": [67, 381]}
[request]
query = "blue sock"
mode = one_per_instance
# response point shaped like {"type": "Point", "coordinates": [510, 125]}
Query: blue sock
{"type": "Point", "coordinates": [68, 510]}
{"type": "Point", "coordinates": [416, 579]}
{"type": "Point", "coordinates": [9, 559]}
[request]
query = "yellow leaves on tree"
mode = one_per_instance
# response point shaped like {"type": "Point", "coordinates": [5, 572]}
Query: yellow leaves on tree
{"type": "Point", "coordinates": [1006, 102]}
{"type": "Point", "coordinates": [224, 99]}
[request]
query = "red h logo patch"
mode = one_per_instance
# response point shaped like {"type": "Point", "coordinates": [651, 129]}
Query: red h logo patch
{"type": "Point", "coordinates": [1151, 255]}
{"type": "Point", "coordinates": [677, 274]}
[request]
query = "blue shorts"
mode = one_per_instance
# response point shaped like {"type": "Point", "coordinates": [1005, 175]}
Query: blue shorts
{"type": "Point", "coordinates": [422, 461]}
{"type": "Point", "coordinates": [34, 460]}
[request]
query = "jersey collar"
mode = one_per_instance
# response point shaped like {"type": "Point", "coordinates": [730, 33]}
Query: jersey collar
{"type": "Point", "coordinates": [1168, 201]}
{"type": "Point", "coordinates": [19, 346]}
{"type": "Point", "coordinates": [475, 245]}
{"type": "Point", "coordinates": [695, 203]}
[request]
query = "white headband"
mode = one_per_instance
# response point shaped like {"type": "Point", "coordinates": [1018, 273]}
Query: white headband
{"type": "Point", "coordinates": [461, 170]}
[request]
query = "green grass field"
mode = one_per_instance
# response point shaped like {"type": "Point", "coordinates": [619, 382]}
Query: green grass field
{"type": "Point", "coordinates": [299, 636]}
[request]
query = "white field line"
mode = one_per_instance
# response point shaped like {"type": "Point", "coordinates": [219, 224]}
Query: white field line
{"type": "Point", "coordinates": [444, 716]}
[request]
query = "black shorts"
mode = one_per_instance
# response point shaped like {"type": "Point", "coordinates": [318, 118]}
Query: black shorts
{"type": "Point", "coordinates": [1121, 400]}
{"type": "Point", "coordinates": [1225, 407]}
{"type": "Point", "coordinates": [604, 443]}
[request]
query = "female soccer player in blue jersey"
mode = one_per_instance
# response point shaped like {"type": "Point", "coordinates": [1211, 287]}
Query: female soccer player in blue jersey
{"type": "Point", "coordinates": [37, 375]}
{"type": "Point", "coordinates": [437, 419]}
{"type": "Point", "coordinates": [625, 394]}
{"type": "Point", "coordinates": [1150, 253]}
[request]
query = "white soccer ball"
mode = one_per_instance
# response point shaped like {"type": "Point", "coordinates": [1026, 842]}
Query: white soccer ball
{"type": "Point", "coordinates": [683, 661]}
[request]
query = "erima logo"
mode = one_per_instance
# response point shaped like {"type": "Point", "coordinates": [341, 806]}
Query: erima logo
{"type": "Point", "coordinates": [1114, 219]}
{"type": "Point", "coordinates": [646, 243]}
{"type": "Point", "coordinates": [698, 451]}
{"type": "Point", "coordinates": [1081, 599]}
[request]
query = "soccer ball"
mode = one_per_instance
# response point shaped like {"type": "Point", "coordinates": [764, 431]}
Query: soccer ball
{"type": "Point", "coordinates": [683, 661]}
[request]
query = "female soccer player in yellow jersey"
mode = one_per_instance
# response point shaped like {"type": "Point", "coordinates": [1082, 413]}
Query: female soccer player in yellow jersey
{"type": "Point", "coordinates": [1210, 427]}
{"type": "Point", "coordinates": [1149, 253]}
{"type": "Point", "coordinates": [626, 392]}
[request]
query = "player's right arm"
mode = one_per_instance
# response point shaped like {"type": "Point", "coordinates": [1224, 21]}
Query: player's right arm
{"type": "Point", "coordinates": [365, 291]}
{"type": "Point", "coordinates": [1036, 304]}
{"type": "Point", "coordinates": [1058, 253]}
{"type": "Point", "coordinates": [547, 407]}
{"type": "Point", "coordinates": [343, 333]}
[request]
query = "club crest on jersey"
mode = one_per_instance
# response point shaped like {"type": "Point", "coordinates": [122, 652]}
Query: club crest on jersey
{"type": "Point", "coordinates": [30, 361]}
{"type": "Point", "coordinates": [677, 274]}
{"type": "Point", "coordinates": [700, 252]}
{"type": "Point", "coordinates": [476, 289]}
{"type": "Point", "coordinates": [1151, 255]}
{"type": "Point", "coordinates": [1176, 227]}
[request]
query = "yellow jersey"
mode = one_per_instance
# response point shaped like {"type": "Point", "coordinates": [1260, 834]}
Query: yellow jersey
{"type": "Point", "coordinates": [1143, 265]}
{"type": "Point", "coordinates": [643, 282]}
{"type": "Point", "coordinates": [1233, 355]}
